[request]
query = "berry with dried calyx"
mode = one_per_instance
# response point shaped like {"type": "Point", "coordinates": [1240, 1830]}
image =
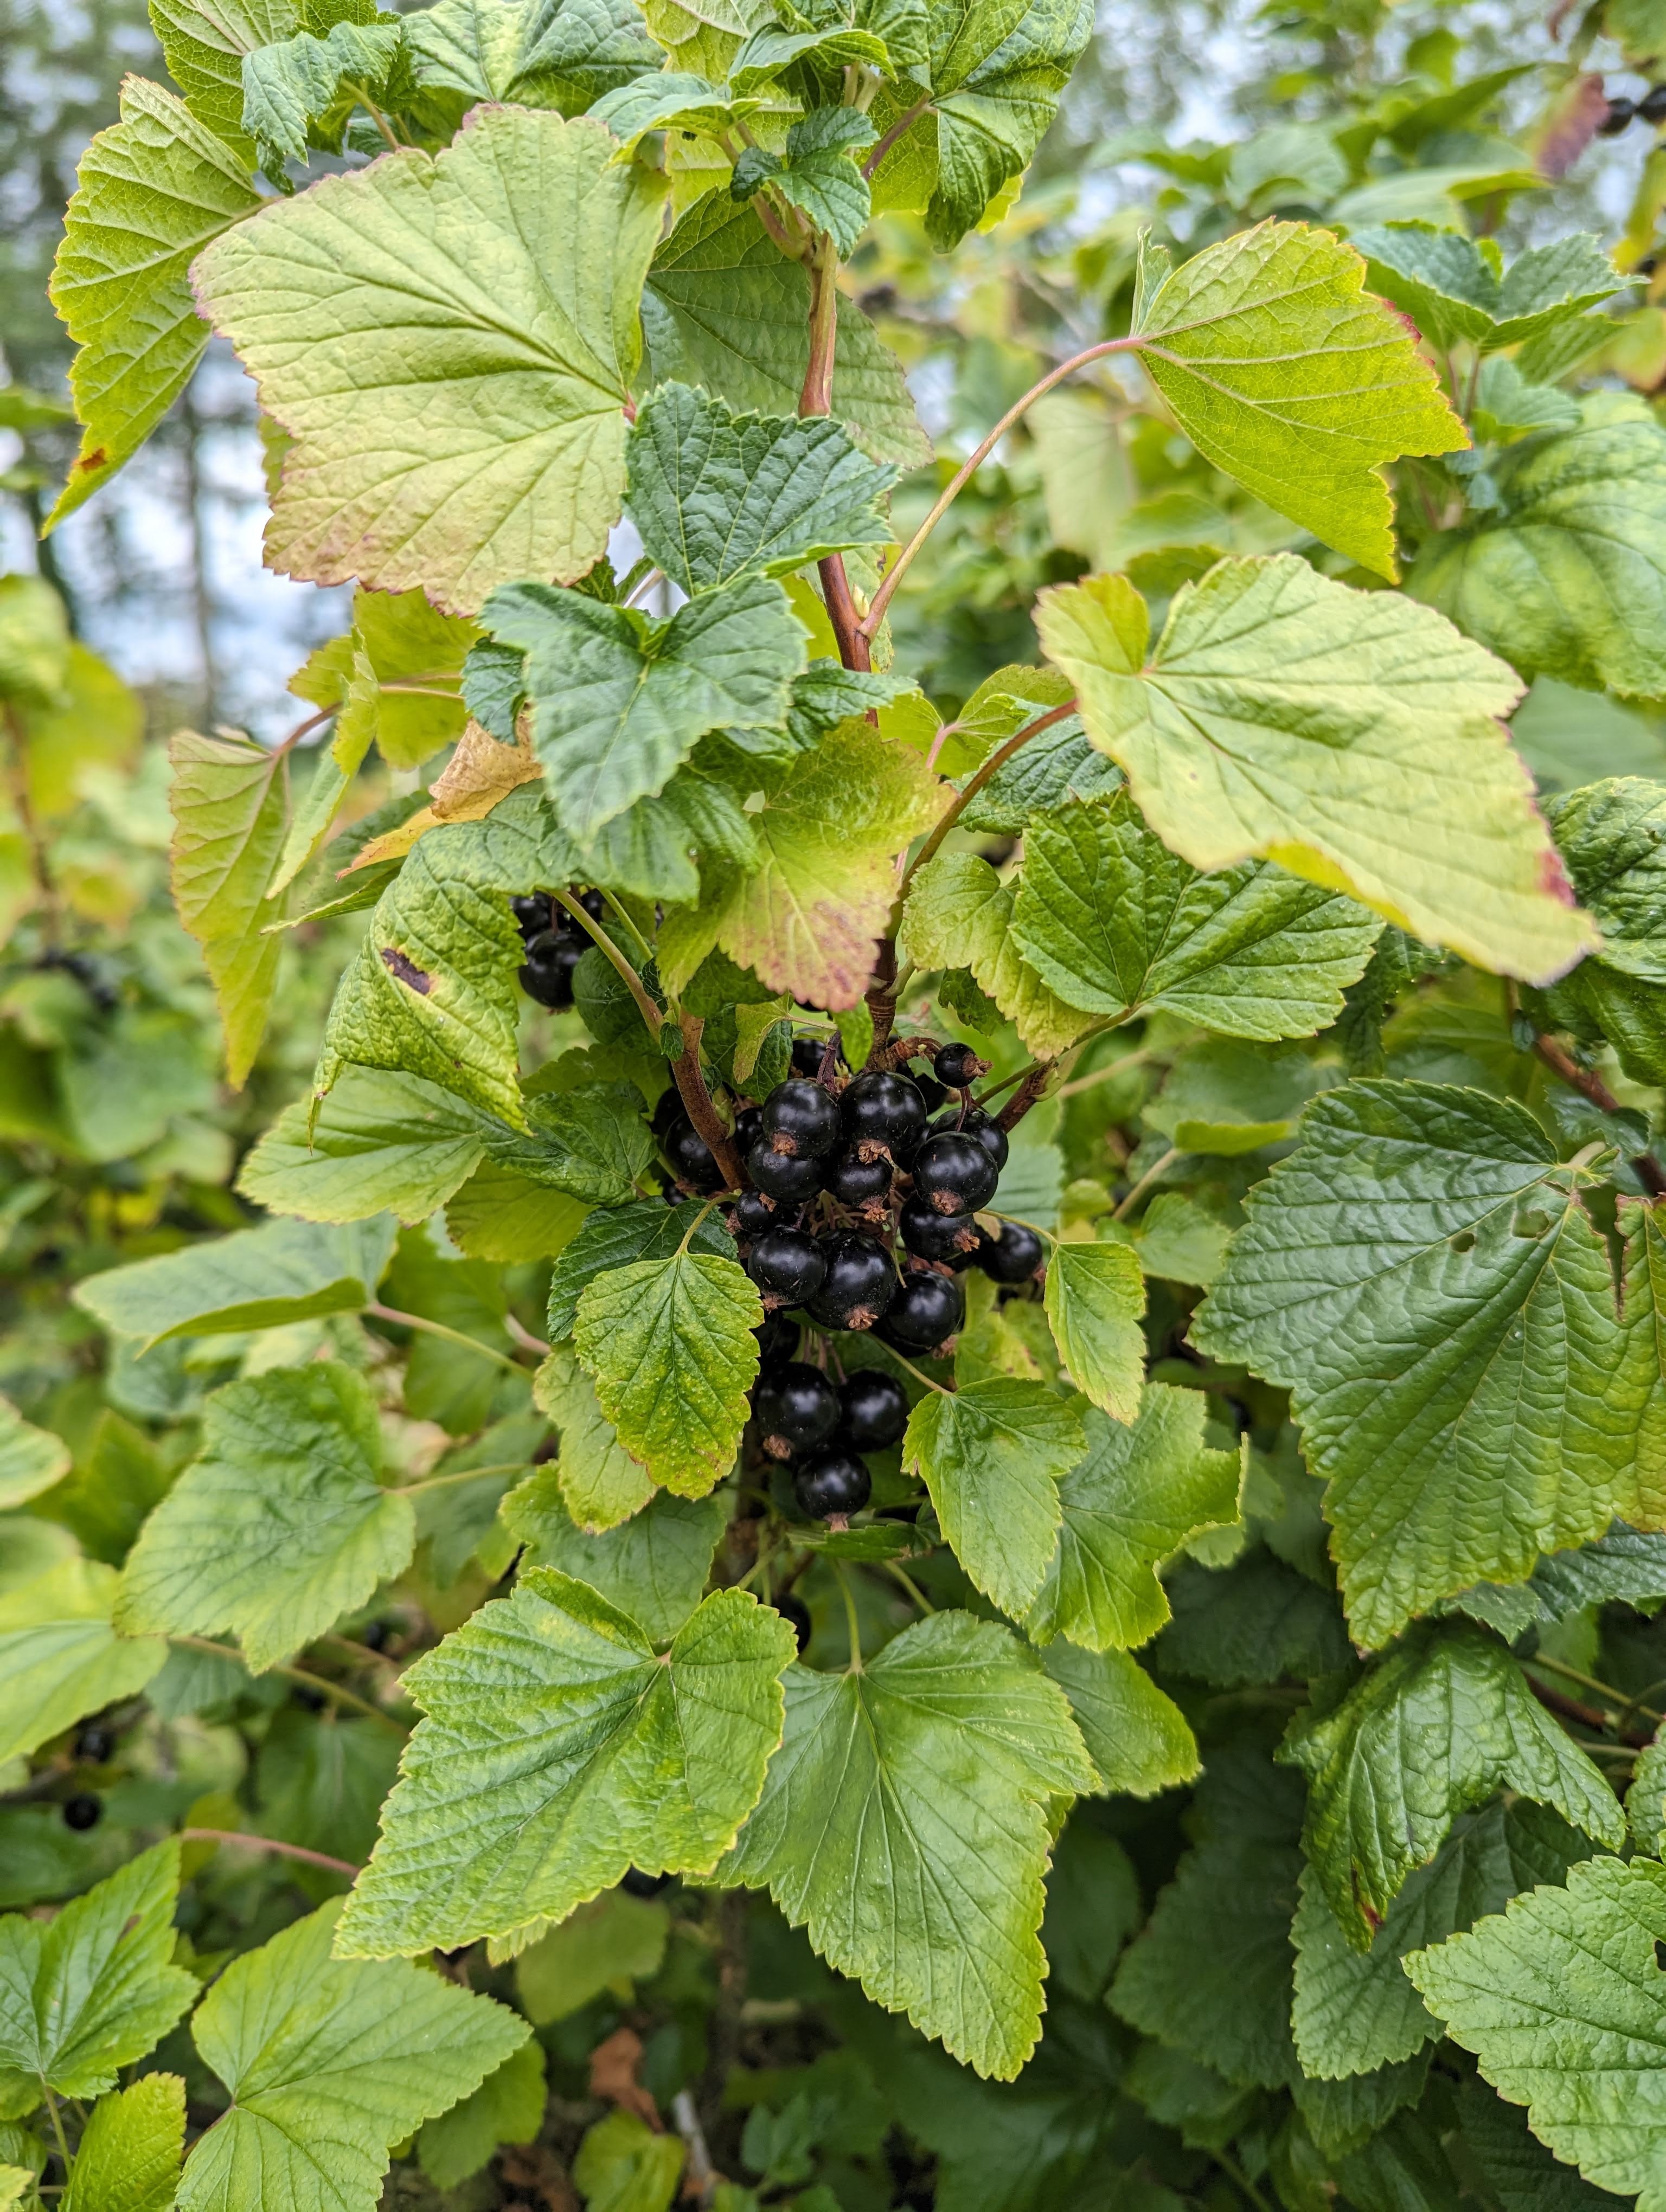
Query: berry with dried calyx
{"type": "Point", "coordinates": [925, 1313]}
{"type": "Point", "coordinates": [832, 1487]}
{"type": "Point", "coordinates": [958, 1065]}
{"type": "Point", "coordinates": [546, 974]}
{"type": "Point", "coordinates": [788, 1181]}
{"type": "Point", "coordinates": [860, 1284]}
{"type": "Point", "coordinates": [807, 1055]}
{"type": "Point", "coordinates": [788, 1266]}
{"type": "Point", "coordinates": [748, 1128]}
{"type": "Point", "coordinates": [883, 1113]}
{"type": "Point", "coordinates": [875, 1409]}
{"type": "Point", "coordinates": [931, 1090]}
{"type": "Point", "coordinates": [944, 1240]}
{"type": "Point", "coordinates": [796, 1408]}
{"type": "Point", "coordinates": [953, 1173]}
{"type": "Point", "coordinates": [856, 1181]}
{"type": "Point", "coordinates": [975, 1122]}
{"type": "Point", "coordinates": [801, 1119]}
{"type": "Point", "coordinates": [1015, 1257]}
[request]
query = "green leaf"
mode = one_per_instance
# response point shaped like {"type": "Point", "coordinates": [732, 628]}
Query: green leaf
{"type": "Point", "coordinates": [669, 1345]}
{"type": "Point", "coordinates": [330, 2062]}
{"type": "Point", "coordinates": [92, 1989]}
{"type": "Point", "coordinates": [203, 43]}
{"type": "Point", "coordinates": [229, 800]}
{"type": "Point", "coordinates": [1437, 1727]}
{"type": "Point", "coordinates": [669, 100]}
{"type": "Point", "coordinates": [590, 1140]}
{"type": "Point", "coordinates": [1568, 578]}
{"type": "Point", "coordinates": [992, 1454]}
{"type": "Point", "coordinates": [621, 1236]}
{"type": "Point", "coordinates": [445, 1381]}
{"type": "Point", "coordinates": [996, 73]}
{"type": "Point", "coordinates": [31, 1459]}
{"type": "Point", "coordinates": [1351, 736]}
{"type": "Point", "coordinates": [818, 173]}
{"type": "Point", "coordinates": [1210, 1975]}
{"type": "Point", "coordinates": [620, 700]}
{"type": "Point", "coordinates": [398, 638]}
{"type": "Point", "coordinates": [500, 1216]}
{"type": "Point", "coordinates": [493, 447]}
{"type": "Point", "coordinates": [1559, 1998]}
{"type": "Point", "coordinates": [595, 1479]}
{"type": "Point", "coordinates": [1523, 2175]}
{"type": "Point", "coordinates": [1645, 1800]}
{"type": "Point", "coordinates": [1608, 836]}
{"type": "Point", "coordinates": [128, 2158]}
{"type": "Point", "coordinates": [599, 1755]}
{"type": "Point", "coordinates": [653, 1567]}
{"type": "Point", "coordinates": [1138, 1739]}
{"type": "Point", "coordinates": [1258, 1621]}
{"type": "Point", "coordinates": [1137, 1495]}
{"type": "Point", "coordinates": [300, 92]}
{"type": "Point", "coordinates": [622, 2166]}
{"type": "Point", "coordinates": [1095, 1297]}
{"type": "Point", "coordinates": [382, 1142]}
{"type": "Point", "coordinates": [262, 1278]}
{"type": "Point", "coordinates": [60, 1656]}
{"type": "Point", "coordinates": [152, 191]}
{"type": "Point", "coordinates": [1452, 286]}
{"type": "Point", "coordinates": [320, 1782]}
{"type": "Point", "coordinates": [1113, 923]}
{"type": "Point", "coordinates": [561, 56]}
{"type": "Point", "coordinates": [723, 309]}
{"type": "Point", "coordinates": [280, 1526]}
{"type": "Point", "coordinates": [507, 2108]}
{"type": "Point", "coordinates": [1421, 1275]}
{"type": "Point", "coordinates": [770, 51]}
{"type": "Point", "coordinates": [959, 914]}
{"type": "Point", "coordinates": [1355, 2011]}
{"type": "Point", "coordinates": [903, 1822]}
{"type": "Point", "coordinates": [715, 495]}
{"type": "Point", "coordinates": [615, 1940]}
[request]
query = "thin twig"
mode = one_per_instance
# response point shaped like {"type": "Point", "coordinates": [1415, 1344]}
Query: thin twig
{"type": "Point", "coordinates": [457, 1474]}
{"type": "Point", "coordinates": [698, 1101]}
{"type": "Point", "coordinates": [400, 1319]}
{"type": "Point", "coordinates": [270, 1844]}
{"type": "Point", "coordinates": [604, 945]}
{"type": "Point", "coordinates": [910, 1586]}
{"type": "Point", "coordinates": [1156, 1169]}
{"type": "Point", "coordinates": [905, 122]}
{"type": "Point", "coordinates": [525, 1338]}
{"type": "Point", "coordinates": [992, 766]}
{"type": "Point", "coordinates": [702, 2178]}
{"type": "Point", "coordinates": [321, 1683]}
{"type": "Point", "coordinates": [1589, 1084]}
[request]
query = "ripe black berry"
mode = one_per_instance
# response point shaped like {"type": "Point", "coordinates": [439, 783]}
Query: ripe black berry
{"type": "Point", "coordinates": [953, 1173]}
{"type": "Point", "coordinates": [546, 974]}
{"type": "Point", "coordinates": [797, 1407]}
{"type": "Point", "coordinates": [926, 1312]}
{"type": "Point", "coordinates": [635, 1883]}
{"type": "Point", "coordinates": [787, 1266]}
{"type": "Point", "coordinates": [594, 904]}
{"type": "Point", "coordinates": [884, 1113]}
{"type": "Point", "coordinates": [375, 1635]}
{"type": "Point", "coordinates": [1621, 112]}
{"type": "Point", "coordinates": [856, 1181]}
{"type": "Point", "coordinates": [688, 1154]}
{"type": "Point", "coordinates": [82, 1811]}
{"type": "Point", "coordinates": [748, 1128]}
{"type": "Point", "coordinates": [947, 1240]}
{"type": "Point", "coordinates": [94, 1744]}
{"type": "Point", "coordinates": [754, 1215]}
{"type": "Point", "coordinates": [532, 911]}
{"type": "Point", "coordinates": [1652, 106]}
{"type": "Point", "coordinates": [801, 1119]}
{"type": "Point", "coordinates": [875, 1408]}
{"type": "Point", "coordinates": [806, 1055]}
{"type": "Point", "coordinates": [777, 1339]}
{"type": "Point", "coordinates": [931, 1090]}
{"type": "Point", "coordinates": [782, 1177]}
{"type": "Point", "coordinates": [958, 1065]}
{"type": "Point", "coordinates": [861, 1282]}
{"type": "Point", "coordinates": [975, 1123]}
{"type": "Point", "coordinates": [834, 1485]}
{"type": "Point", "coordinates": [796, 1613]}
{"type": "Point", "coordinates": [1014, 1256]}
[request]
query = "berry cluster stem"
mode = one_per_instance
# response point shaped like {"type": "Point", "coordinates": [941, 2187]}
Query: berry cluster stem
{"type": "Point", "coordinates": [698, 1101]}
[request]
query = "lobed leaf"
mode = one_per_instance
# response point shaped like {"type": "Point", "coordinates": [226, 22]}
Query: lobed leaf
{"type": "Point", "coordinates": [992, 1454]}
{"type": "Point", "coordinates": [1095, 1299]}
{"type": "Point", "coordinates": [229, 803]}
{"type": "Point", "coordinates": [61, 1657]}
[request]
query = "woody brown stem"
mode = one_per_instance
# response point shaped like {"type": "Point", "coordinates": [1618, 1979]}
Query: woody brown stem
{"type": "Point", "coordinates": [697, 1101]}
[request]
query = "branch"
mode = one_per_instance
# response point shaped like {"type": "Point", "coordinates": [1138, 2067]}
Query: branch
{"type": "Point", "coordinates": [400, 1319]}
{"type": "Point", "coordinates": [697, 1101]}
{"type": "Point", "coordinates": [992, 766]}
{"type": "Point", "coordinates": [1589, 1084]}
{"type": "Point", "coordinates": [321, 1683]}
{"type": "Point", "coordinates": [270, 1844]}
{"type": "Point", "coordinates": [1024, 1096]}
{"type": "Point", "coordinates": [853, 643]}
{"type": "Point", "coordinates": [905, 122]}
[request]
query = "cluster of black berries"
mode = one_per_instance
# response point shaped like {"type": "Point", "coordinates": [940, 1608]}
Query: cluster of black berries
{"type": "Point", "coordinates": [555, 944]}
{"type": "Point", "coordinates": [839, 1173]}
{"type": "Point", "coordinates": [1623, 112]}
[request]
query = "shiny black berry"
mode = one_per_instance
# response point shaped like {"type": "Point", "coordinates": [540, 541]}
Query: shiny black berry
{"type": "Point", "coordinates": [546, 974]}
{"type": "Point", "coordinates": [856, 1181]}
{"type": "Point", "coordinates": [796, 1613]}
{"type": "Point", "coordinates": [884, 1113]}
{"type": "Point", "coordinates": [801, 1119]}
{"type": "Point", "coordinates": [94, 1744]}
{"type": "Point", "coordinates": [594, 904]}
{"type": "Point", "coordinates": [1652, 106]}
{"type": "Point", "coordinates": [948, 1240]}
{"type": "Point", "coordinates": [958, 1065]}
{"type": "Point", "coordinates": [1014, 1256]}
{"type": "Point", "coordinates": [926, 1312]}
{"type": "Point", "coordinates": [837, 1484]}
{"type": "Point", "coordinates": [635, 1883]}
{"type": "Point", "coordinates": [788, 1266]}
{"type": "Point", "coordinates": [777, 1339]}
{"type": "Point", "coordinates": [375, 1635]}
{"type": "Point", "coordinates": [690, 1156]}
{"type": "Point", "coordinates": [531, 912]}
{"type": "Point", "coordinates": [875, 1407]}
{"type": "Point", "coordinates": [954, 1174]}
{"type": "Point", "coordinates": [796, 1408]}
{"type": "Point", "coordinates": [861, 1282]}
{"type": "Point", "coordinates": [1619, 117]}
{"type": "Point", "coordinates": [754, 1215]}
{"type": "Point", "coordinates": [82, 1811]}
{"type": "Point", "coordinates": [748, 1128]}
{"type": "Point", "coordinates": [806, 1055]}
{"type": "Point", "coordinates": [788, 1181]}
{"type": "Point", "coordinates": [931, 1090]}
{"type": "Point", "coordinates": [975, 1123]}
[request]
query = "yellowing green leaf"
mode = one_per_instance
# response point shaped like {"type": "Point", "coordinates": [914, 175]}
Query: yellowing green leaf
{"type": "Point", "coordinates": [1096, 1295]}
{"type": "Point", "coordinates": [284, 1270]}
{"type": "Point", "coordinates": [31, 1459]}
{"type": "Point", "coordinates": [1351, 736]}
{"type": "Point", "coordinates": [597, 1480]}
{"type": "Point", "coordinates": [229, 803]}
{"type": "Point", "coordinates": [992, 1454]}
{"type": "Point", "coordinates": [518, 253]}
{"type": "Point", "coordinates": [1137, 1737]}
{"type": "Point", "coordinates": [60, 1656]}
{"type": "Point", "coordinates": [128, 2158]}
{"type": "Point", "coordinates": [381, 1140]}
{"type": "Point", "coordinates": [203, 43]}
{"type": "Point", "coordinates": [959, 914]}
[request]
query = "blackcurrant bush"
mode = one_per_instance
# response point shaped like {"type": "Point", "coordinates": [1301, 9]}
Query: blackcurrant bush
{"type": "Point", "coordinates": [546, 974]}
{"type": "Point", "coordinates": [688, 1154]}
{"type": "Point", "coordinates": [796, 1613]}
{"type": "Point", "coordinates": [82, 1811]}
{"type": "Point", "coordinates": [797, 1407]}
{"type": "Point", "coordinates": [947, 1240]}
{"type": "Point", "coordinates": [953, 1173]}
{"type": "Point", "coordinates": [975, 1123]}
{"type": "Point", "coordinates": [1652, 106]}
{"type": "Point", "coordinates": [861, 1282]}
{"type": "Point", "coordinates": [532, 911]}
{"type": "Point", "coordinates": [789, 1181]}
{"type": "Point", "coordinates": [787, 1266]}
{"type": "Point", "coordinates": [875, 1407]}
{"type": "Point", "coordinates": [801, 1119]}
{"type": "Point", "coordinates": [1619, 117]}
{"type": "Point", "coordinates": [926, 1312]}
{"type": "Point", "coordinates": [753, 1215]}
{"type": "Point", "coordinates": [1014, 1256]}
{"type": "Point", "coordinates": [837, 1484]}
{"type": "Point", "coordinates": [94, 1744]}
{"type": "Point", "coordinates": [635, 1883]}
{"type": "Point", "coordinates": [884, 1113]}
{"type": "Point", "coordinates": [958, 1065]}
{"type": "Point", "coordinates": [777, 1339]}
{"type": "Point", "coordinates": [856, 1181]}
